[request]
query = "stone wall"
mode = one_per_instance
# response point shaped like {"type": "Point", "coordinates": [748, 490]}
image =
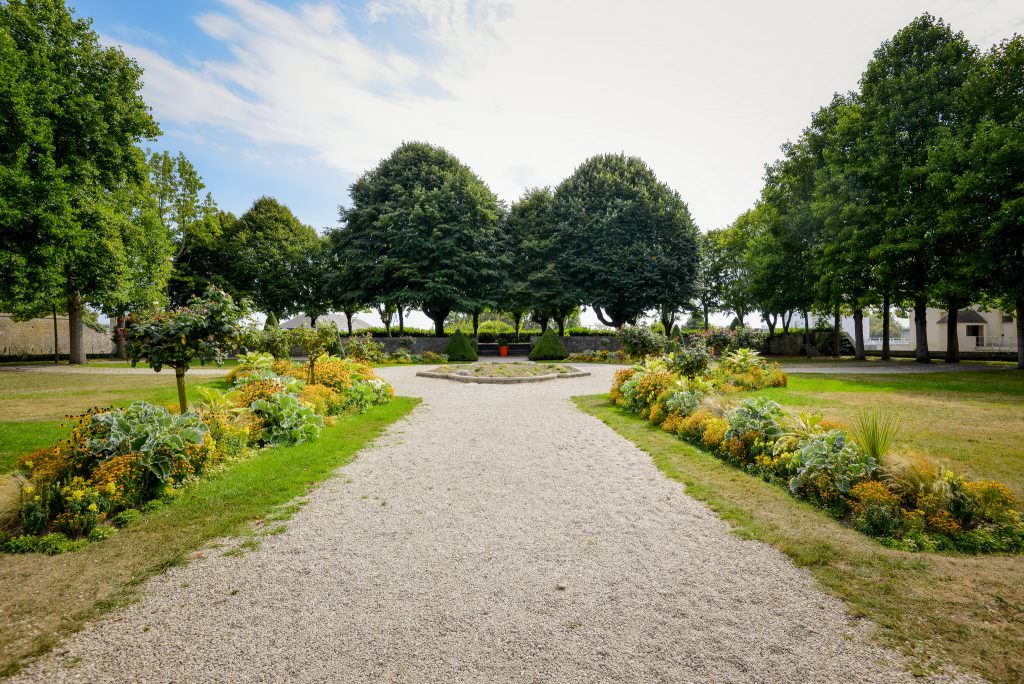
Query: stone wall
{"type": "Point", "coordinates": [437, 344]}
{"type": "Point", "coordinates": [34, 339]}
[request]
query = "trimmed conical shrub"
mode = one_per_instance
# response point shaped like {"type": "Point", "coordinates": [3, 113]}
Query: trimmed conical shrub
{"type": "Point", "coordinates": [549, 348]}
{"type": "Point", "coordinates": [459, 348]}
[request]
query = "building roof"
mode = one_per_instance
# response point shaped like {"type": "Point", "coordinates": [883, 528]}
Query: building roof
{"type": "Point", "coordinates": [965, 316]}
{"type": "Point", "coordinates": [338, 320]}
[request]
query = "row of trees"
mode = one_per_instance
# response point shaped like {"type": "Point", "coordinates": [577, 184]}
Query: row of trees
{"type": "Point", "coordinates": [907, 193]}
{"type": "Point", "coordinates": [424, 232]}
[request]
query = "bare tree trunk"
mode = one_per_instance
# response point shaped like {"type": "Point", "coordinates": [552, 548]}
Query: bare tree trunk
{"type": "Point", "coordinates": [858, 333]}
{"type": "Point", "coordinates": [787, 318]}
{"type": "Point", "coordinates": [517, 318]}
{"type": "Point", "coordinates": [835, 333]}
{"type": "Point", "coordinates": [807, 334]}
{"type": "Point", "coordinates": [952, 339]}
{"type": "Point", "coordinates": [348, 321]}
{"type": "Point", "coordinates": [120, 341]}
{"type": "Point", "coordinates": [771, 321]}
{"type": "Point", "coordinates": [401, 320]}
{"type": "Point", "coordinates": [707, 315]}
{"type": "Point", "coordinates": [1020, 332]}
{"type": "Point", "coordinates": [561, 326]}
{"type": "Point", "coordinates": [921, 330]}
{"type": "Point", "coordinates": [56, 347]}
{"type": "Point", "coordinates": [179, 378]}
{"type": "Point", "coordinates": [886, 308]}
{"type": "Point", "coordinates": [476, 323]}
{"type": "Point", "coordinates": [76, 329]}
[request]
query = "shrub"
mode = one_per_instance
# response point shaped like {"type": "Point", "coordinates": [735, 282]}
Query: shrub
{"type": "Point", "coordinates": [433, 357]}
{"type": "Point", "coordinates": [742, 361]}
{"type": "Point", "coordinates": [651, 383]}
{"type": "Point", "coordinates": [286, 420]}
{"type": "Point", "coordinates": [877, 510]}
{"type": "Point", "coordinates": [549, 348]}
{"type": "Point", "coordinates": [640, 342]}
{"type": "Point", "coordinates": [692, 427]}
{"type": "Point", "coordinates": [321, 398]}
{"type": "Point", "coordinates": [619, 378]}
{"type": "Point", "coordinates": [366, 393]}
{"type": "Point", "coordinates": [828, 467]}
{"type": "Point", "coordinates": [992, 502]}
{"type": "Point", "coordinates": [683, 402]}
{"type": "Point", "coordinates": [259, 389]}
{"type": "Point", "coordinates": [459, 348]}
{"type": "Point", "coordinates": [690, 361]}
{"type": "Point", "coordinates": [363, 348]}
{"type": "Point", "coordinates": [759, 417]}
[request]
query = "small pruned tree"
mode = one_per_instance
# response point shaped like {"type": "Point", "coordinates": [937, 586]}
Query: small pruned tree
{"type": "Point", "coordinates": [313, 342]}
{"type": "Point", "coordinates": [207, 329]}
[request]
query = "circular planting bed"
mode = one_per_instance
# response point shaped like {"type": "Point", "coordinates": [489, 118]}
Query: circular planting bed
{"type": "Point", "coordinates": [504, 373]}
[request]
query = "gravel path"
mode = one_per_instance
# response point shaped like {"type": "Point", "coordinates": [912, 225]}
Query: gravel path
{"type": "Point", "coordinates": [497, 535]}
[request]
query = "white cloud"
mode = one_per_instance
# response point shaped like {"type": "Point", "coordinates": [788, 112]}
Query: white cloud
{"type": "Point", "coordinates": [522, 92]}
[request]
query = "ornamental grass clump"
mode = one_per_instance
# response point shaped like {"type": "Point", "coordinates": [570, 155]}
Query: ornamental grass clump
{"type": "Point", "coordinates": [903, 499]}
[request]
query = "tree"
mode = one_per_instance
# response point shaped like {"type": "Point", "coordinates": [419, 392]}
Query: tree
{"type": "Point", "coordinates": [195, 224]}
{"type": "Point", "coordinates": [710, 281]}
{"type": "Point", "coordinates": [980, 168]}
{"type": "Point", "coordinates": [270, 255]}
{"type": "Point", "coordinates": [73, 116]}
{"type": "Point", "coordinates": [205, 330]}
{"type": "Point", "coordinates": [314, 286]}
{"type": "Point", "coordinates": [314, 342]}
{"type": "Point", "coordinates": [537, 275]}
{"type": "Point", "coordinates": [731, 245]}
{"type": "Point", "coordinates": [420, 231]}
{"type": "Point", "coordinates": [909, 94]}
{"type": "Point", "coordinates": [627, 241]}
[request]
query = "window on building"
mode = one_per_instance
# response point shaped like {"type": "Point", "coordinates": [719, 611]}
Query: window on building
{"type": "Point", "coordinates": [975, 331]}
{"type": "Point", "coordinates": [1007, 318]}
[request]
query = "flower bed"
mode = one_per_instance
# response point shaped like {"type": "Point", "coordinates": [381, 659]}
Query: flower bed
{"type": "Point", "coordinates": [504, 372]}
{"type": "Point", "coordinates": [116, 462]}
{"type": "Point", "coordinates": [902, 499]}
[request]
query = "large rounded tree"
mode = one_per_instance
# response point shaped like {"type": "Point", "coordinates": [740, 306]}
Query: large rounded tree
{"type": "Point", "coordinates": [422, 231]}
{"type": "Point", "coordinates": [628, 243]}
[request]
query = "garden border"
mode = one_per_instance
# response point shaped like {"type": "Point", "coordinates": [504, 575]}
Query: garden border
{"type": "Point", "coordinates": [502, 381]}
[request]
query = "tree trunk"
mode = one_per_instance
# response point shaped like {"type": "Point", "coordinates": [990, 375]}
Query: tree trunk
{"type": "Point", "coordinates": [787, 318]}
{"type": "Point", "coordinates": [886, 308]}
{"type": "Point", "coordinates": [952, 339]}
{"type": "Point", "coordinates": [542, 320]}
{"type": "Point", "coordinates": [438, 316]}
{"type": "Point", "coordinates": [179, 378]}
{"type": "Point", "coordinates": [56, 347]}
{"type": "Point", "coordinates": [807, 334]}
{"type": "Point", "coordinates": [921, 331]}
{"type": "Point", "coordinates": [401, 320]}
{"type": "Point", "coordinates": [517, 318]}
{"type": "Point", "coordinates": [476, 323]}
{"type": "Point", "coordinates": [1020, 332]}
{"type": "Point", "coordinates": [668, 319]}
{"type": "Point", "coordinates": [561, 326]}
{"type": "Point", "coordinates": [836, 337]}
{"type": "Point", "coordinates": [858, 333]}
{"type": "Point", "coordinates": [76, 329]}
{"type": "Point", "coordinates": [120, 340]}
{"type": "Point", "coordinates": [707, 314]}
{"type": "Point", "coordinates": [771, 321]}
{"type": "Point", "coordinates": [348, 321]}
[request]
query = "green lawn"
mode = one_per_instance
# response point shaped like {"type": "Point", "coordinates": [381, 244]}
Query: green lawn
{"type": "Point", "coordinates": [45, 597]}
{"type": "Point", "coordinates": [34, 405]}
{"type": "Point", "coordinates": [967, 611]}
{"type": "Point", "coordinates": [971, 422]}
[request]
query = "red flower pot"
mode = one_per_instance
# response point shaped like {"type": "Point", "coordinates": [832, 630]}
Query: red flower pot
{"type": "Point", "coordinates": [503, 350]}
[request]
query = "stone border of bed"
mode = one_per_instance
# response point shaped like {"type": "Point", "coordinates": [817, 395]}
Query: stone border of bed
{"type": "Point", "coordinates": [484, 380]}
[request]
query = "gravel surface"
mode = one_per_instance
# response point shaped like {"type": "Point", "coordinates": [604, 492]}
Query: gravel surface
{"type": "Point", "coordinates": [497, 535]}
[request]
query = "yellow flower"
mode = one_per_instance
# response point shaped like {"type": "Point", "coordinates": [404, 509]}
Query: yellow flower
{"type": "Point", "coordinates": [29, 489]}
{"type": "Point", "coordinates": [93, 507]}
{"type": "Point", "coordinates": [37, 498]}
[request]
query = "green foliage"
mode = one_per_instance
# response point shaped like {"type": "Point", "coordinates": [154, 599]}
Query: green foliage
{"type": "Point", "coordinates": [829, 465]}
{"type": "Point", "coordinates": [459, 348]}
{"type": "Point", "coordinates": [270, 255]}
{"type": "Point", "coordinates": [690, 360]}
{"type": "Point", "coordinates": [875, 432]}
{"type": "Point", "coordinates": [422, 230]}
{"type": "Point", "coordinates": [314, 343]}
{"type": "Point", "coordinates": [76, 226]}
{"type": "Point", "coordinates": [286, 420]}
{"type": "Point", "coordinates": [205, 330]}
{"type": "Point", "coordinates": [549, 348]}
{"type": "Point", "coordinates": [759, 417]}
{"type": "Point", "coordinates": [50, 544]}
{"type": "Point", "coordinates": [639, 342]}
{"type": "Point", "coordinates": [627, 241]}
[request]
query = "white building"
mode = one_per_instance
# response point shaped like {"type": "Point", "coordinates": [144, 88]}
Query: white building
{"type": "Point", "coordinates": [981, 331]}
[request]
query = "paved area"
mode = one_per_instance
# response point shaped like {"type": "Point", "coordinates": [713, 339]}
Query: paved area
{"type": "Point", "coordinates": [496, 535]}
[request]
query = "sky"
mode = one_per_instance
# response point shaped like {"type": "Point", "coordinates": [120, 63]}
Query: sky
{"type": "Point", "coordinates": [297, 99]}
